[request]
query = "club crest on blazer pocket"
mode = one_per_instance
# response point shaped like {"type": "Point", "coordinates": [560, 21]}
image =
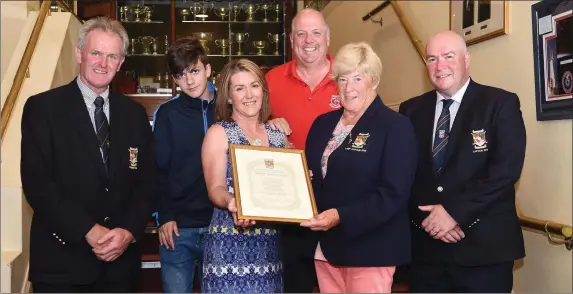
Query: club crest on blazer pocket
{"type": "Point", "coordinates": [479, 140]}
{"type": "Point", "coordinates": [359, 143]}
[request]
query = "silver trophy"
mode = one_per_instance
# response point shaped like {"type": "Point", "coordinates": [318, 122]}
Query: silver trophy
{"type": "Point", "coordinates": [277, 7]}
{"type": "Point", "coordinates": [265, 7]}
{"type": "Point", "coordinates": [275, 38]}
{"type": "Point", "coordinates": [223, 44]}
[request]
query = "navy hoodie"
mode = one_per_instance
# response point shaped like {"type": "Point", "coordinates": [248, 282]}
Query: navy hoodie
{"type": "Point", "coordinates": [179, 127]}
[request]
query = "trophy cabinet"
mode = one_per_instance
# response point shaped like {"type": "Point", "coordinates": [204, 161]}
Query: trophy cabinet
{"type": "Point", "coordinates": [257, 30]}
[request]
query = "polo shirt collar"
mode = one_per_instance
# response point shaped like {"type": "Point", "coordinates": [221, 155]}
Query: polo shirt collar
{"type": "Point", "coordinates": [291, 70]}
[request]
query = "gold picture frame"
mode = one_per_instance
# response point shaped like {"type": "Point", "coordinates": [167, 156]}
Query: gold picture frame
{"type": "Point", "coordinates": [479, 20]}
{"type": "Point", "coordinates": [272, 184]}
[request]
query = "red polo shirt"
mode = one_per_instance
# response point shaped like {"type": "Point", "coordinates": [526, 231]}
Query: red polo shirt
{"type": "Point", "coordinates": [292, 99]}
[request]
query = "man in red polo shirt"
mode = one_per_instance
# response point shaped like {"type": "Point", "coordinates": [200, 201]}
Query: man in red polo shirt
{"type": "Point", "coordinates": [300, 91]}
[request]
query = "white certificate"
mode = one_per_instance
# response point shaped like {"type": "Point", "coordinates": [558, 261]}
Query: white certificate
{"type": "Point", "coordinates": [272, 184]}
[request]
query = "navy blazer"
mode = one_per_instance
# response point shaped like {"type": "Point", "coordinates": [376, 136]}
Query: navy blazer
{"type": "Point", "coordinates": [65, 182]}
{"type": "Point", "coordinates": [368, 180]}
{"type": "Point", "coordinates": [483, 162]}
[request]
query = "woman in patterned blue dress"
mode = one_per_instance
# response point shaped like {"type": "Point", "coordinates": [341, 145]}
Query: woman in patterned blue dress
{"type": "Point", "coordinates": [240, 256]}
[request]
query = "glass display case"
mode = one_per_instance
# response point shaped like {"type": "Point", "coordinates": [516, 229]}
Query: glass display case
{"type": "Point", "coordinates": [257, 30]}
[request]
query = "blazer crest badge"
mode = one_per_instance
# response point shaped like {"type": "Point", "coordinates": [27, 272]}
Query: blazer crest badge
{"type": "Point", "coordinates": [360, 140]}
{"type": "Point", "coordinates": [479, 139]}
{"type": "Point", "coordinates": [335, 101]}
{"type": "Point", "coordinates": [133, 157]}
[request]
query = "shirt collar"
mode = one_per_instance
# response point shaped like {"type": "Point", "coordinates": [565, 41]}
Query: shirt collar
{"type": "Point", "coordinates": [89, 95]}
{"type": "Point", "coordinates": [457, 97]}
{"type": "Point", "coordinates": [291, 69]}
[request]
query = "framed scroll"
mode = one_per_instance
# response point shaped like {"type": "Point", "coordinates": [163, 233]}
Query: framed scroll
{"type": "Point", "coordinates": [272, 184]}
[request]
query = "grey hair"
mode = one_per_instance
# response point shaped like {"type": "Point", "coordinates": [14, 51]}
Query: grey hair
{"type": "Point", "coordinates": [105, 24]}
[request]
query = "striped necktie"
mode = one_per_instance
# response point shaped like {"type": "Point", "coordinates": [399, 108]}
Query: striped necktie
{"type": "Point", "coordinates": [441, 136]}
{"type": "Point", "coordinates": [102, 129]}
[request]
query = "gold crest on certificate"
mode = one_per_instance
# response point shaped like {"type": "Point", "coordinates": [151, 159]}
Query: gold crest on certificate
{"type": "Point", "coordinates": [272, 184]}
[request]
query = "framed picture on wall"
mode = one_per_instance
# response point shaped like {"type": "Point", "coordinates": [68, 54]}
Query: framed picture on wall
{"type": "Point", "coordinates": [479, 20]}
{"type": "Point", "coordinates": [552, 30]}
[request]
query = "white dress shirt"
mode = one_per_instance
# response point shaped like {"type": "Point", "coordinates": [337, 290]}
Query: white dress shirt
{"type": "Point", "coordinates": [457, 97]}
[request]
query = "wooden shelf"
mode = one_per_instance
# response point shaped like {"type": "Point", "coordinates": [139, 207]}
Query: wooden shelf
{"type": "Point", "coordinates": [147, 55]}
{"type": "Point", "coordinates": [142, 22]}
{"type": "Point", "coordinates": [231, 22]}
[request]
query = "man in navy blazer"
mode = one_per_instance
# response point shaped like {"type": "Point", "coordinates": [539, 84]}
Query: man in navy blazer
{"type": "Point", "coordinates": [89, 173]}
{"type": "Point", "coordinates": [466, 234]}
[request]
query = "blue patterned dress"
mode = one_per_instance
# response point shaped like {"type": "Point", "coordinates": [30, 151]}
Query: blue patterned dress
{"type": "Point", "coordinates": [240, 260]}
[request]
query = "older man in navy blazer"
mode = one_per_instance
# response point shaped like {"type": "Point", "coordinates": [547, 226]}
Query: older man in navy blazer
{"type": "Point", "coordinates": [363, 160]}
{"type": "Point", "coordinates": [466, 231]}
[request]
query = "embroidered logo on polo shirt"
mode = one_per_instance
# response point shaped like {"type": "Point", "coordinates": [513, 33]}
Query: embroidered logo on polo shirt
{"type": "Point", "coordinates": [335, 101]}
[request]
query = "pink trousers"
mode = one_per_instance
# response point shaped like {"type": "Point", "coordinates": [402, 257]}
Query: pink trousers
{"type": "Point", "coordinates": [340, 279]}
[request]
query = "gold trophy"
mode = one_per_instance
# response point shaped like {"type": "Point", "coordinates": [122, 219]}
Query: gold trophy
{"type": "Point", "coordinates": [123, 13]}
{"type": "Point", "coordinates": [260, 45]}
{"type": "Point", "coordinates": [250, 10]}
{"type": "Point", "coordinates": [213, 77]}
{"type": "Point", "coordinates": [275, 38]}
{"type": "Point", "coordinates": [223, 44]}
{"type": "Point", "coordinates": [204, 38]}
{"type": "Point", "coordinates": [154, 45]}
{"type": "Point", "coordinates": [147, 10]}
{"type": "Point", "coordinates": [137, 10]}
{"type": "Point", "coordinates": [184, 14]}
{"type": "Point", "coordinates": [166, 44]}
{"type": "Point", "coordinates": [277, 7]}
{"type": "Point", "coordinates": [133, 42]}
{"type": "Point", "coordinates": [222, 12]}
{"type": "Point", "coordinates": [235, 12]}
{"type": "Point", "coordinates": [240, 38]}
{"type": "Point", "coordinates": [146, 41]}
{"type": "Point", "coordinates": [264, 8]}
{"type": "Point", "coordinates": [204, 10]}
{"type": "Point", "coordinates": [159, 79]}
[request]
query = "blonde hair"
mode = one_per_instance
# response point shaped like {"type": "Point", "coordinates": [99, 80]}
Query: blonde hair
{"type": "Point", "coordinates": [105, 24]}
{"type": "Point", "coordinates": [224, 110]}
{"type": "Point", "coordinates": [359, 57]}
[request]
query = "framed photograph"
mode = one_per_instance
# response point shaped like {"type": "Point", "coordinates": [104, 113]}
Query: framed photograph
{"type": "Point", "coordinates": [272, 184]}
{"type": "Point", "coordinates": [552, 29]}
{"type": "Point", "coordinates": [479, 20]}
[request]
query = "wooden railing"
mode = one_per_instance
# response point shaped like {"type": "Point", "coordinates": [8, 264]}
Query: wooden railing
{"type": "Point", "coordinates": [23, 71]}
{"type": "Point", "coordinates": [564, 232]}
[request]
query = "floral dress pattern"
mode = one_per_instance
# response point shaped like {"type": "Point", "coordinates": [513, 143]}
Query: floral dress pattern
{"type": "Point", "coordinates": [240, 260]}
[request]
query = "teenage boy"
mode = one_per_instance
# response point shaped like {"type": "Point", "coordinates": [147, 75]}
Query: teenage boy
{"type": "Point", "coordinates": [180, 124]}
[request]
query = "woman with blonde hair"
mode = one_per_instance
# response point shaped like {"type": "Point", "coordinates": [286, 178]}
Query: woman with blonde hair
{"type": "Point", "coordinates": [363, 158]}
{"type": "Point", "coordinates": [240, 255]}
